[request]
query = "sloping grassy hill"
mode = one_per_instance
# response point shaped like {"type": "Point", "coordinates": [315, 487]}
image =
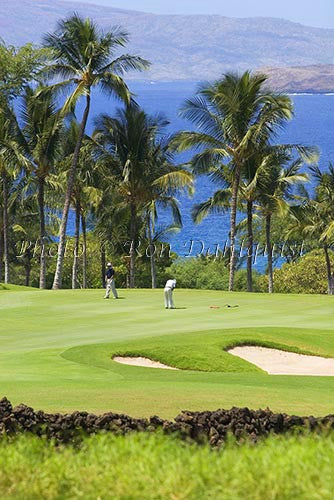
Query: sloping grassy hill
{"type": "Point", "coordinates": [17, 288]}
{"type": "Point", "coordinates": [56, 350]}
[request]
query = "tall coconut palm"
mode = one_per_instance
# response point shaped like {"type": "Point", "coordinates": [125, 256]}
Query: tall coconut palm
{"type": "Point", "coordinates": [4, 179]}
{"type": "Point", "coordinates": [110, 220]}
{"type": "Point", "coordinates": [42, 127]}
{"type": "Point", "coordinates": [252, 173]}
{"type": "Point", "coordinates": [1, 243]}
{"type": "Point", "coordinates": [143, 176]}
{"type": "Point", "coordinates": [248, 194]}
{"type": "Point", "coordinates": [315, 216]}
{"type": "Point", "coordinates": [72, 132]}
{"type": "Point", "coordinates": [219, 202]}
{"type": "Point", "coordinates": [4, 186]}
{"type": "Point", "coordinates": [127, 136]}
{"type": "Point", "coordinates": [85, 190]}
{"type": "Point", "coordinates": [24, 224]}
{"type": "Point", "coordinates": [233, 115]}
{"type": "Point", "coordinates": [12, 160]}
{"type": "Point", "coordinates": [163, 182]}
{"type": "Point", "coordinates": [84, 56]}
{"type": "Point", "coordinates": [274, 190]}
{"type": "Point", "coordinates": [254, 169]}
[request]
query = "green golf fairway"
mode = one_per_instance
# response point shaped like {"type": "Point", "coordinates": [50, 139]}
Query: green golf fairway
{"type": "Point", "coordinates": [56, 350]}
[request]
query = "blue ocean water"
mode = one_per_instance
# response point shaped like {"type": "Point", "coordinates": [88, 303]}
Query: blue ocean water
{"type": "Point", "coordinates": [313, 124]}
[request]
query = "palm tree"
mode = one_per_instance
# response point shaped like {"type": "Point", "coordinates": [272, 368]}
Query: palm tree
{"type": "Point", "coordinates": [85, 191]}
{"type": "Point", "coordinates": [250, 188]}
{"type": "Point", "coordinates": [1, 243]}
{"type": "Point", "coordinates": [220, 201]}
{"type": "Point", "coordinates": [11, 161]}
{"type": "Point", "coordinates": [254, 168]}
{"type": "Point", "coordinates": [42, 140]}
{"type": "Point", "coordinates": [233, 115]}
{"type": "Point", "coordinates": [140, 169]}
{"type": "Point", "coordinates": [24, 224]}
{"type": "Point", "coordinates": [274, 190]}
{"type": "Point", "coordinates": [83, 56]}
{"type": "Point", "coordinates": [163, 182]}
{"type": "Point", "coordinates": [109, 217]}
{"type": "Point", "coordinates": [248, 191]}
{"type": "Point", "coordinates": [315, 217]}
{"type": "Point", "coordinates": [4, 178]}
{"type": "Point", "coordinates": [128, 136]}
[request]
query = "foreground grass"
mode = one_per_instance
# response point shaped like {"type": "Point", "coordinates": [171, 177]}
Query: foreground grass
{"type": "Point", "coordinates": [56, 349]}
{"type": "Point", "coordinates": [159, 467]}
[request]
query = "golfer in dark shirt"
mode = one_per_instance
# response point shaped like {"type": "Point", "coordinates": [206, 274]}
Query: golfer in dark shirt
{"type": "Point", "coordinates": [110, 282]}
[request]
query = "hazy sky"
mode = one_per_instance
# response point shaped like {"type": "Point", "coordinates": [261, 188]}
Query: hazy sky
{"type": "Point", "coordinates": [310, 12]}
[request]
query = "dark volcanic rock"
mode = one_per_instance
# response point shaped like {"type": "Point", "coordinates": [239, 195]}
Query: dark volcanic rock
{"type": "Point", "coordinates": [206, 426]}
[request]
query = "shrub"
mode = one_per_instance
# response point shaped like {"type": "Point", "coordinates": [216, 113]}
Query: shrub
{"type": "Point", "coordinates": [208, 274]}
{"type": "Point", "coordinates": [307, 275]}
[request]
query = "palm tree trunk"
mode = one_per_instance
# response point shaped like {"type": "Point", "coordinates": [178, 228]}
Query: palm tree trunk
{"type": "Point", "coordinates": [5, 226]}
{"type": "Point", "coordinates": [27, 274]}
{"type": "Point", "coordinates": [249, 246]}
{"type": "Point", "coordinates": [76, 244]}
{"type": "Point", "coordinates": [270, 254]}
{"type": "Point", "coordinates": [84, 254]}
{"type": "Point", "coordinates": [42, 270]}
{"type": "Point", "coordinates": [152, 259]}
{"type": "Point", "coordinates": [1, 245]}
{"type": "Point", "coordinates": [133, 230]}
{"type": "Point", "coordinates": [233, 220]}
{"type": "Point", "coordinates": [70, 183]}
{"type": "Point", "coordinates": [103, 265]}
{"type": "Point", "coordinates": [27, 267]}
{"type": "Point", "coordinates": [329, 270]}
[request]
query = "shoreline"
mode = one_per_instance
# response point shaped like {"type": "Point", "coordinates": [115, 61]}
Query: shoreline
{"type": "Point", "coordinates": [191, 83]}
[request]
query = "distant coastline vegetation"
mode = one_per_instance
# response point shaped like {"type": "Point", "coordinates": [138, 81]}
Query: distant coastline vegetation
{"type": "Point", "coordinates": [118, 179]}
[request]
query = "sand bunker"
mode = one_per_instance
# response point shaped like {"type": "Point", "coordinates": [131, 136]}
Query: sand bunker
{"type": "Point", "coordinates": [273, 361]}
{"type": "Point", "coordinates": [139, 361]}
{"type": "Point", "coordinates": [277, 362]}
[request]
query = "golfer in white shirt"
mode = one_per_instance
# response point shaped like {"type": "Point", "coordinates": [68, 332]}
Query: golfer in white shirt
{"type": "Point", "coordinates": [168, 293]}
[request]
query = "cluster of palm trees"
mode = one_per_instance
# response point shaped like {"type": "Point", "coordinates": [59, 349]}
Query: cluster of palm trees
{"type": "Point", "coordinates": [125, 164]}
{"type": "Point", "coordinates": [126, 171]}
{"type": "Point", "coordinates": [313, 217]}
{"type": "Point", "coordinates": [237, 120]}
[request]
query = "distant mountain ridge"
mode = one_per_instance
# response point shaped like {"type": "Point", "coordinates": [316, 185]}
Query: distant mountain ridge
{"type": "Point", "coordinates": [197, 47]}
{"type": "Point", "coordinates": [308, 79]}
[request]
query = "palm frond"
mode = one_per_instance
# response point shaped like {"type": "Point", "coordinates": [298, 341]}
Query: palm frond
{"type": "Point", "coordinates": [218, 203]}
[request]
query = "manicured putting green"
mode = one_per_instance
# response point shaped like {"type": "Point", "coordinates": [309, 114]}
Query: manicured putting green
{"type": "Point", "coordinates": [56, 350]}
